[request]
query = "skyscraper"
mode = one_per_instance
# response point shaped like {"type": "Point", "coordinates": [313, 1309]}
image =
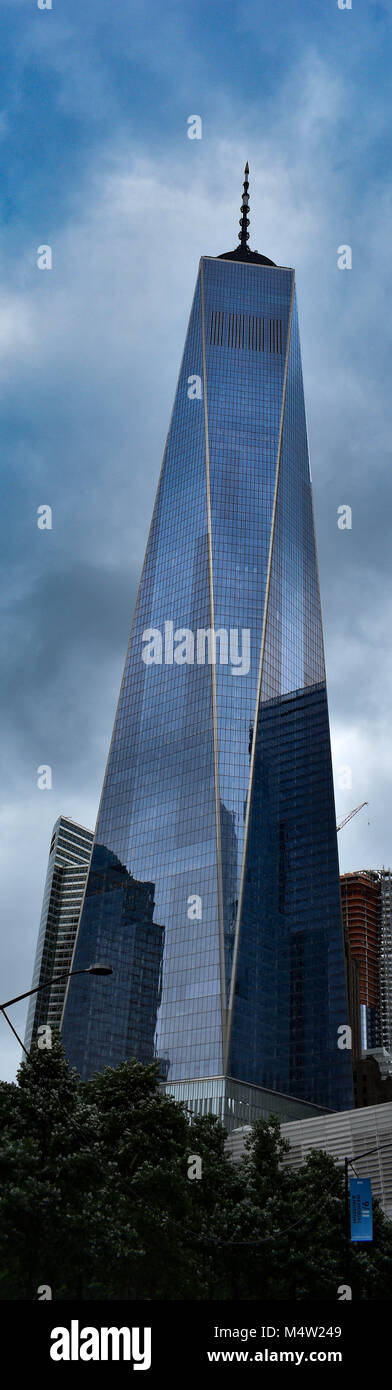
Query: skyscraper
{"type": "Point", "coordinates": [361, 920]}
{"type": "Point", "coordinates": [68, 864]}
{"type": "Point", "coordinates": [367, 918]}
{"type": "Point", "coordinates": [386, 958]}
{"type": "Point", "coordinates": [218, 788]}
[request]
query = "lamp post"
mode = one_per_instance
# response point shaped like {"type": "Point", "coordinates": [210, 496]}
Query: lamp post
{"type": "Point", "coordinates": [97, 969]}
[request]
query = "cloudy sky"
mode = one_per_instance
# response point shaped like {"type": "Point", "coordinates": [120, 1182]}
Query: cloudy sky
{"type": "Point", "coordinates": [97, 164]}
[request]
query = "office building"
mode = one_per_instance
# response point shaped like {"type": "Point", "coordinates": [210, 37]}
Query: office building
{"type": "Point", "coordinates": [218, 793]}
{"type": "Point", "coordinates": [68, 864]}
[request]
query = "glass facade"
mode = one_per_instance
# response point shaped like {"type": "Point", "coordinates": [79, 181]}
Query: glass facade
{"type": "Point", "coordinates": [214, 890]}
{"type": "Point", "coordinates": [68, 865]}
{"type": "Point", "coordinates": [237, 1104]}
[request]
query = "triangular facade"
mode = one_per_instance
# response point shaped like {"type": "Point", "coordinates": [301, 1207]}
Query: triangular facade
{"type": "Point", "coordinates": [214, 884]}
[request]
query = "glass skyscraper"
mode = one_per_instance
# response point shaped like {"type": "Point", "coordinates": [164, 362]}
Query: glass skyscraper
{"type": "Point", "coordinates": [68, 865]}
{"type": "Point", "coordinates": [215, 845]}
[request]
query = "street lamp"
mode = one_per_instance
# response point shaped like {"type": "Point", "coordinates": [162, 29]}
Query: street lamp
{"type": "Point", "coordinates": [98, 969]}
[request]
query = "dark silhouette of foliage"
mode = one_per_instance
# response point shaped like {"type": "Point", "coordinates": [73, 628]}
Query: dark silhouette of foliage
{"type": "Point", "coordinates": [97, 1199]}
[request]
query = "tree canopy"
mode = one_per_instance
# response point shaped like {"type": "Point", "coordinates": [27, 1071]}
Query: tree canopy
{"type": "Point", "coordinates": [110, 1189]}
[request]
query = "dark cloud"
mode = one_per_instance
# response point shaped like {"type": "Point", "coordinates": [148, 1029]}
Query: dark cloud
{"type": "Point", "coordinates": [90, 354]}
{"type": "Point", "coordinates": [68, 635]}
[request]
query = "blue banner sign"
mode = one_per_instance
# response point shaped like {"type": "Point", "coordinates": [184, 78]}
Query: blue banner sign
{"type": "Point", "coordinates": [361, 1209]}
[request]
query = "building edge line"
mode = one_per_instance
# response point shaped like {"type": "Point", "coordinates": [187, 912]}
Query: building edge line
{"type": "Point", "coordinates": [259, 684]}
{"type": "Point", "coordinates": [154, 510]}
{"type": "Point", "coordinates": [222, 967]}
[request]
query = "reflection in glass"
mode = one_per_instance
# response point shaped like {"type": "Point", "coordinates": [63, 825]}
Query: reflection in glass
{"type": "Point", "coordinates": [219, 785]}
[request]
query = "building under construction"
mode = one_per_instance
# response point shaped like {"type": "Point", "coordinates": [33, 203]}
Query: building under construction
{"type": "Point", "coordinates": [367, 920]}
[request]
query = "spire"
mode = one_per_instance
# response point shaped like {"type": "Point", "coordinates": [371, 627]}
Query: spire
{"type": "Point", "coordinates": [242, 252]}
{"type": "Point", "coordinates": [243, 235]}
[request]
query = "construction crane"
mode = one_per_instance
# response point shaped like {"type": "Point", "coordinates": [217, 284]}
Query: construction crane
{"type": "Point", "coordinates": [351, 814]}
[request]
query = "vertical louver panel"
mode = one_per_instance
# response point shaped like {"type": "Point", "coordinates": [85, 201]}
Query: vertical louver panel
{"type": "Point", "coordinates": [245, 331]}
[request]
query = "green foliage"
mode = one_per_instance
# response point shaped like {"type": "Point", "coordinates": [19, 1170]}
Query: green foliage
{"type": "Point", "coordinates": [96, 1199]}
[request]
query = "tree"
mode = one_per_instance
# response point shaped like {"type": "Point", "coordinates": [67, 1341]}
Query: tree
{"type": "Point", "coordinates": [52, 1174]}
{"type": "Point", "coordinates": [101, 1198]}
{"type": "Point", "coordinates": [144, 1140]}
